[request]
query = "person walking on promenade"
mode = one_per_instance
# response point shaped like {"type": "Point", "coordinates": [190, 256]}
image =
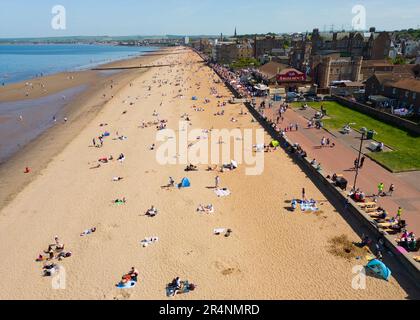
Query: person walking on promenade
{"type": "Point", "coordinates": [391, 189]}
{"type": "Point", "coordinates": [356, 164]}
{"type": "Point", "coordinates": [362, 162]}
{"type": "Point", "coordinates": [381, 187]}
{"type": "Point", "coordinates": [399, 213]}
{"type": "Point", "coordinates": [303, 194]}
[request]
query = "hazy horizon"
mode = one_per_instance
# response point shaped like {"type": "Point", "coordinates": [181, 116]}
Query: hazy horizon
{"type": "Point", "coordinates": [27, 19]}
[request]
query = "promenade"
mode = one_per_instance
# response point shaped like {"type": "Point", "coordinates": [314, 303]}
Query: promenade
{"type": "Point", "coordinates": [340, 160]}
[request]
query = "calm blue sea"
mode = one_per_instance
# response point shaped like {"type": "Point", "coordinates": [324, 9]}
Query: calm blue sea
{"type": "Point", "coordinates": [22, 62]}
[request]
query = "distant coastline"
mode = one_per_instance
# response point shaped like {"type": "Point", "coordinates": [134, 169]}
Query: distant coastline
{"type": "Point", "coordinates": [20, 62]}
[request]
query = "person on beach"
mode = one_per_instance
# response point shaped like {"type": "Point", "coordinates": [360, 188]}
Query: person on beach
{"type": "Point", "coordinates": [217, 182]}
{"type": "Point", "coordinates": [132, 275]}
{"type": "Point", "coordinates": [152, 212]}
{"type": "Point", "coordinates": [303, 194]}
{"type": "Point", "coordinates": [88, 232]}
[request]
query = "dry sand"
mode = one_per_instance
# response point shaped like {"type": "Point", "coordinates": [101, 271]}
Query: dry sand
{"type": "Point", "coordinates": [271, 254]}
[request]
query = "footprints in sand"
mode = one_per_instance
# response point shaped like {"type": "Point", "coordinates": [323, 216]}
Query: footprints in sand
{"type": "Point", "coordinates": [226, 269]}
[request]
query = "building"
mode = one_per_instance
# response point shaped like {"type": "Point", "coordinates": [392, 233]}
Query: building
{"type": "Point", "coordinates": [228, 52]}
{"type": "Point", "coordinates": [326, 70]}
{"type": "Point", "coordinates": [370, 67]}
{"type": "Point", "coordinates": [398, 90]}
{"type": "Point", "coordinates": [301, 53]}
{"type": "Point", "coordinates": [371, 45]}
{"type": "Point", "coordinates": [283, 76]}
{"type": "Point", "coordinates": [410, 48]}
{"type": "Point", "coordinates": [267, 46]}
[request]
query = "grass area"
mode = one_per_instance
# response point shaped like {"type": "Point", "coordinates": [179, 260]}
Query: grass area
{"type": "Point", "coordinates": [406, 156]}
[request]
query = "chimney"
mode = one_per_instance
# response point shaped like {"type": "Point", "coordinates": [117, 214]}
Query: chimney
{"type": "Point", "coordinates": [372, 29]}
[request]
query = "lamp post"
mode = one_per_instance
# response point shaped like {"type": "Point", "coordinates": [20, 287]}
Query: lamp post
{"type": "Point", "coordinates": [358, 159]}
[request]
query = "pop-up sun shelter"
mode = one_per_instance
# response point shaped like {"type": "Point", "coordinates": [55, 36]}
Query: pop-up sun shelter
{"type": "Point", "coordinates": [379, 269]}
{"type": "Point", "coordinates": [275, 143]}
{"type": "Point", "coordinates": [185, 183]}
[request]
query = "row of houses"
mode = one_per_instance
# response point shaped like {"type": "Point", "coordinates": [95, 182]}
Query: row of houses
{"type": "Point", "coordinates": [352, 64]}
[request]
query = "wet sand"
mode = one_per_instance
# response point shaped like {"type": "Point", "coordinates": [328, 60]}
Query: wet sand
{"type": "Point", "coordinates": [271, 254]}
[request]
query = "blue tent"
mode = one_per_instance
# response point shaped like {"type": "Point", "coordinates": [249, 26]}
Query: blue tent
{"type": "Point", "coordinates": [380, 269]}
{"type": "Point", "coordinates": [185, 183]}
{"type": "Point", "coordinates": [194, 98]}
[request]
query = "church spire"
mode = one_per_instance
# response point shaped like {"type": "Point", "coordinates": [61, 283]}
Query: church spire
{"type": "Point", "coordinates": [235, 33]}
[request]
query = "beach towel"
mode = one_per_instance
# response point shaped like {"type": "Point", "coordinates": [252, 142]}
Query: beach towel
{"type": "Point", "coordinates": [128, 285]}
{"type": "Point", "coordinates": [185, 288]}
{"type": "Point", "coordinates": [308, 206]}
{"type": "Point", "coordinates": [259, 148]}
{"type": "Point", "coordinates": [402, 250]}
{"type": "Point", "coordinates": [222, 192]}
{"type": "Point", "coordinates": [218, 231]}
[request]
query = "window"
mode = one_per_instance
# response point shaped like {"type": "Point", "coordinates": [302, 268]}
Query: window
{"type": "Point", "coordinates": [394, 91]}
{"type": "Point", "coordinates": [414, 95]}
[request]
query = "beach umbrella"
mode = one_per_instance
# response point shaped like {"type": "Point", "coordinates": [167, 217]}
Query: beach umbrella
{"type": "Point", "coordinates": [380, 269]}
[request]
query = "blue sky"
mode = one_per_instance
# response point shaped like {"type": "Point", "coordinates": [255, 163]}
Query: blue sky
{"type": "Point", "coordinates": [32, 18]}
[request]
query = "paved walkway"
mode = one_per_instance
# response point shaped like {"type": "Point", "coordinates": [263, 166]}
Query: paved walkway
{"type": "Point", "coordinates": [340, 160]}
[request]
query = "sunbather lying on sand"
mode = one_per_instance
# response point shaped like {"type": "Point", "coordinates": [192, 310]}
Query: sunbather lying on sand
{"type": "Point", "coordinates": [50, 269]}
{"type": "Point", "coordinates": [88, 232]}
{"type": "Point", "coordinates": [206, 209]}
{"type": "Point", "coordinates": [178, 287]}
{"type": "Point", "coordinates": [152, 212]}
{"type": "Point", "coordinates": [121, 158]}
{"type": "Point", "coordinates": [120, 201]}
{"type": "Point", "coordinates": [132, 275]}
{"type": "Point", "coordinates": [191, 167]}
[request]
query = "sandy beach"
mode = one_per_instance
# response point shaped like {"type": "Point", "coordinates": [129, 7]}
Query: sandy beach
{"type": "Point", "coordinates": [80, 110]}
{"type": "Point", "coordinates": [271, 253]}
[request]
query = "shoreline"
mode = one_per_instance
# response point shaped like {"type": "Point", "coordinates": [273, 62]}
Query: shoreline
{"type": "Point", "coordinates": [81, 110]}
{"type": "Point", "coordinates": [79, 68]}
